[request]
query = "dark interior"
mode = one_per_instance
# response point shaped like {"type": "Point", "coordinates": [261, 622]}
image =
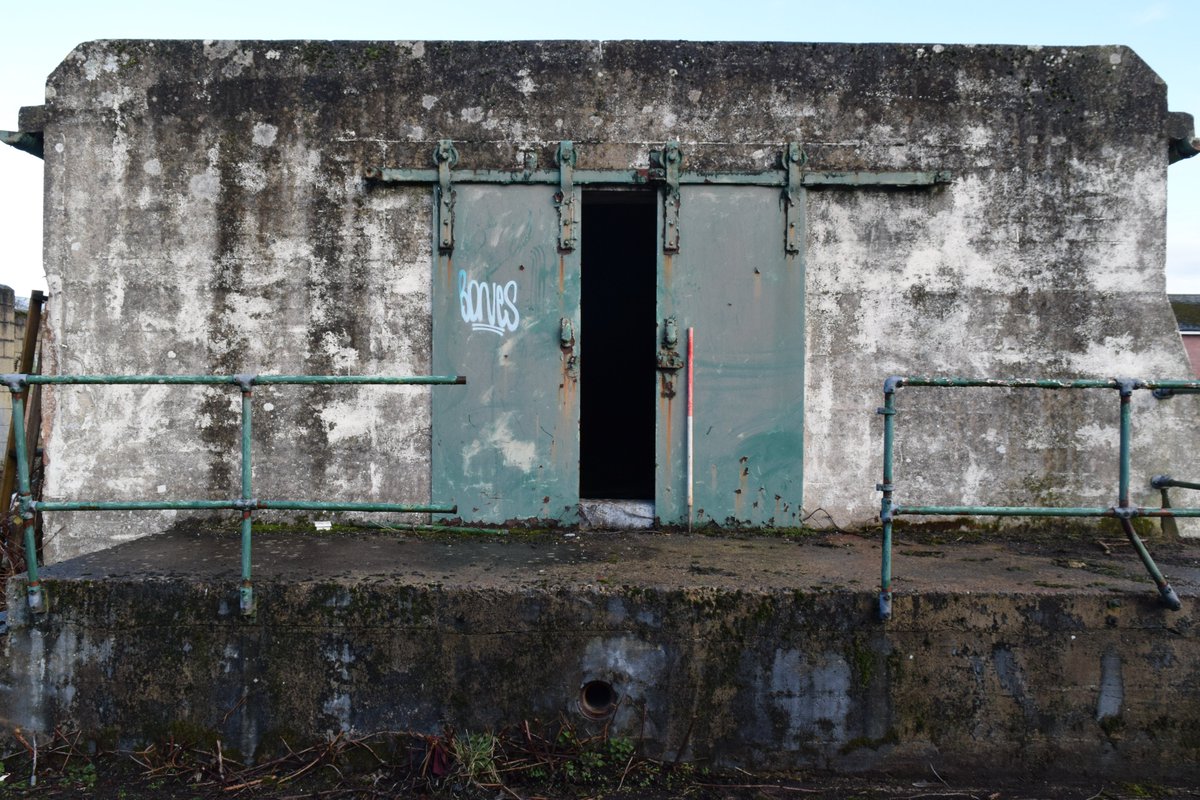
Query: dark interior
{"type": "Point", "coordinates": [617, 346]}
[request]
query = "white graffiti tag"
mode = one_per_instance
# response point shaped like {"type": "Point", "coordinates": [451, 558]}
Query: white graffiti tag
{"type": "Point", "coordinates": [488, 306]}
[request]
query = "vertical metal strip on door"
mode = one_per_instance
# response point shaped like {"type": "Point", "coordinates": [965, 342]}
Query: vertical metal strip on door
{"type": "Point", "coordinates": [506, 314]}
{"type": "Point", "coordinates": [734, 282]}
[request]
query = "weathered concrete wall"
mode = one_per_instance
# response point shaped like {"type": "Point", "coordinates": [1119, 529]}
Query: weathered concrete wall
{"type": "Point", "coordinates": [758, 652]}
{"type": "Point", "coordinates": [217, 223]}
{"type": "Point", "coordinates": [206, 211]}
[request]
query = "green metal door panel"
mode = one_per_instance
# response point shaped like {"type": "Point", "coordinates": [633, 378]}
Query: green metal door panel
{"type": "Point", "coordinates": [506, 314]}
{"type": "Point", "coordinates": [732, 281]}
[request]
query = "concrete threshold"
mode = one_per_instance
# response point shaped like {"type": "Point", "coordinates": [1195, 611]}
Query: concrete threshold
{"type": "Point", "coordinates": [748, 651]}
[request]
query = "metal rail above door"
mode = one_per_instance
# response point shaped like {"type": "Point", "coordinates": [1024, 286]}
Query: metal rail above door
{"type": "Point", "coordinates": [665, 170]}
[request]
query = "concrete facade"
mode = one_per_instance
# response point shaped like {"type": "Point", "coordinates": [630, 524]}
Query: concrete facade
{"type": "Point", "coordinates": [207, 211]}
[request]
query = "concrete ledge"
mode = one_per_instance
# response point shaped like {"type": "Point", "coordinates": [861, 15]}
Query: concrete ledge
{"type": "Point", "coordinates": [763, 653]}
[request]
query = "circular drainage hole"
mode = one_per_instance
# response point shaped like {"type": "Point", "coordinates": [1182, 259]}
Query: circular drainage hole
{"type": "Point", "coordinates": [597, 699]}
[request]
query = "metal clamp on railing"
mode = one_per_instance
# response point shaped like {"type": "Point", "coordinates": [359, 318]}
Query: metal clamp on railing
{"type": "Point", "coordinates": [246, 503]}
{"type": "Point", "coordinates": [1123, 511]}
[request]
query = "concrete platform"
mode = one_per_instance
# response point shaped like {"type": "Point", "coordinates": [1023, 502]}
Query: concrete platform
{"type": "Point", "coordinates": [753, 651]}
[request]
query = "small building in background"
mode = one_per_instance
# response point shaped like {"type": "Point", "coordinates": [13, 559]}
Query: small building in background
{"type": "Point", "coordinates": [1187, 312]}
{"type": "Point", "coordinates": [13, 313]}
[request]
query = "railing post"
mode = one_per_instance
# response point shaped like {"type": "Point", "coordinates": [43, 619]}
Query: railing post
{"type": "Point", "coordinates": [246, 382]}
{"type": "Point", "coordinates": [888, 412]}
{"type": "Point", "coordinates": [1124, 510]}
{"type": "Point", "coordinates": [33, 591]}
{"type": "Point", "coordinates": [1126, 387]}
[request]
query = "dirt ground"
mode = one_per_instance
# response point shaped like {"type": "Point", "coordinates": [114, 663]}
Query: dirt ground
{"type": "Point", "coordinates": [122, 776]}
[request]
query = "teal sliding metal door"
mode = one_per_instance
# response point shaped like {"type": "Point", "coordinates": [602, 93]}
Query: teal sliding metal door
{"type": "Point", "coordinates": [506, 315]}
{"type": "Point", "coordinates": [734, 282]}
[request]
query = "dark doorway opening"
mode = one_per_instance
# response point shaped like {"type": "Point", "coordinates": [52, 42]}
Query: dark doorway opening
{"type": "Point", "coordinates": [617, 346]}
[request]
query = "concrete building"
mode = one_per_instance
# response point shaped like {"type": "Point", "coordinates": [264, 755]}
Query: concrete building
{"type": "Point", "coordinates": [818, 216]}
{"type": "Point", "coordinates": [1187, 313]}
{"type": "Point", "coordinates": [821, 216]}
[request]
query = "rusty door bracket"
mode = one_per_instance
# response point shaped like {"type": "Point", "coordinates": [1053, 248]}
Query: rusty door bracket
{"type": "Point", "coordinates": [669, 359]}
{"type": "Point", "coordinates": [445, 157]}
{"type": "Point", "coordinates": [566, 341]}
{"type": "Point", "coordinates": [566, 157]}
{"type": "Point", "coordinates": [665, 166]}
{"type": "Point", "coordinates": [793, 160]}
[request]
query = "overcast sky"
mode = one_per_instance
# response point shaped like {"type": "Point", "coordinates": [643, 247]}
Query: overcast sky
{"type": "Point", "coordinates": [36, 36]}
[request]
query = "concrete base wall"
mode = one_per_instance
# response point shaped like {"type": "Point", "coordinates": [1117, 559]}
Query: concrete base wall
{"type": "Point", "coordinates": [1075, 682]}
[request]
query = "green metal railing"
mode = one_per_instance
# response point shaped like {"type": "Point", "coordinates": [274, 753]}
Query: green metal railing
{"type": "Point", "coordinates": [1123, 510]}
{"type": "Point", "coordinates": [246, 503]}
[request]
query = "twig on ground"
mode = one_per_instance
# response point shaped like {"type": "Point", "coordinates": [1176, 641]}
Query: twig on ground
{"type": "Point", "coordinates": [502, 788]}
{"type": "Point", "coordinates": [236, 706]}
{"type": "Point", "coordinates": [621, 783]}
{"type": "Point", "coordinates": [760, 786]}
{"type": "Point", "coordinates": [246, 785]}
{"type": "Point", "coordinates": [328, 749]}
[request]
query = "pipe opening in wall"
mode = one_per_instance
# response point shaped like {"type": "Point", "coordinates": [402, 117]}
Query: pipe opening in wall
{"type": "Point", "coordinates": [598, 699]}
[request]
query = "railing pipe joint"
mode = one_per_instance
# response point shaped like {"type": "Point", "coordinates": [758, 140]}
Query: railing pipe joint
{"type": "Point", "coordinates": [27, 506]}
{"type": "Point", "coordinates": [245, 380]}
{"type": "Point", "coordinates": [14, 381]}
{"type": "Point", "coordinates": [35, 598]}
{"type": "Point", "coordinates": [893, 383]}
{"type": "Point", "coordinates": [1161, 481]}
{"type": "Point", "coordinates": [1127, 386]}
{"type": "Point", "coordinates": [1169, 598]}
{"type": "Point", "coordinates": [246, 598]}
{"type": "Point", "coordinates": [885, 606]}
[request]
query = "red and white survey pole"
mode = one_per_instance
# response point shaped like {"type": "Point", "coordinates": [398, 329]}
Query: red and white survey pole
{"type": "Point", "coordinates": [691, 449]}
